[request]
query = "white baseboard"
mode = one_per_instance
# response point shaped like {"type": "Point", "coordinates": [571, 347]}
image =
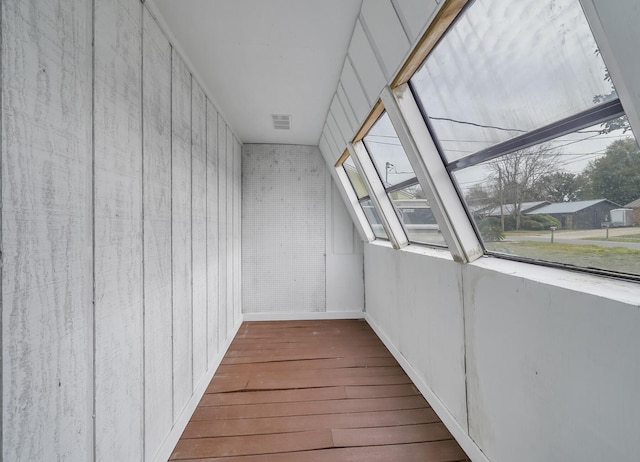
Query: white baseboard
{"type": "Point", "coordinates": [459, 433]}
{"type": "Point", "coordinates": [181, 422]}
{"type": "Point", "coordinates": [303, 316]}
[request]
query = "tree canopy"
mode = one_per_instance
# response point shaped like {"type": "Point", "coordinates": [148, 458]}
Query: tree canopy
{"type": "Point", "coordinates": [616, 175]}
{"type": "Point", "coordinates": [517, 177]}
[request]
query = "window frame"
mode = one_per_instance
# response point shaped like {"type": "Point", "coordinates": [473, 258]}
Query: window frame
{"type": "Point", "coordinates": [382, 203]}
{"type": "Point", "coordinates": [357, 201]}
{"type": "Point", "coordinates": [413, 181]}
{"type": "Point", "coordinates": [353, 200]}
{"type": "Point", "coordinates": [600, 113]}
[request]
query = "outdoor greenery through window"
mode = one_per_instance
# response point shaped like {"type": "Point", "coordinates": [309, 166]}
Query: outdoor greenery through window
{"type": "Point", "coordinates": [531, 128]}
{"type": "Point", "coordinates": [401, 184]}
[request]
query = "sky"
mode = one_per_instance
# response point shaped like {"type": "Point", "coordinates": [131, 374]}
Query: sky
{"type": "Point", "coordinates": [508, 67]}
{"type": "Point", "coordinates": [505, 68]}
{"type": "Point", "coordinates": [515, 66]}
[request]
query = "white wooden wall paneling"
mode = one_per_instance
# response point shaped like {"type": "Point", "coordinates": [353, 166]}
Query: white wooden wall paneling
{"type": "Point", "coordinates": [118, 230]}
{"type": "Point", "coordinates": [222, 229]}
{"type": "Point", "coordinates": [341, 142]}
{"type": "Point", "coordinates": [212, 233]}
{"type": "Point", "coordinates": [341, 119]}
{"type": "Point", "coordinates": [348, 110]}
{"type": "Point", "coordinates": [47, 255]}
{"type": "Point", "coordinates": [366, 64]}
{"type": "Point", "coordinates": [199, 228]}
{"type": "Point", "coordinates": [181, 233]}
{"type": "Point", "coordinates": [414, 15]}
{"type": "Point", "coordinates": [229, 306]}
{"type": "Point", "coordinates": [333, 153]}
{"type": "Point", "coordinates": [354, 91]}
{"type": "Point", "coordinates": [386, 34]}
{"type": "Point", "coordinates": [237, 233]}
{"type": "Point", "coordinates": [156, 152]}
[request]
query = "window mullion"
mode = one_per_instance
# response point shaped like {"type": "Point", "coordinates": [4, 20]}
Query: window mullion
{"type": "Point", "coordinates": [587, 118]}
{"type": "Point", "coordinates": [400, 186]}
{"type": "Point", "coordinates": [356, 212]}
{"type": "Point", "coordinates": [379, 197]}
{"type": "Point", "coordinates": [414, 135]}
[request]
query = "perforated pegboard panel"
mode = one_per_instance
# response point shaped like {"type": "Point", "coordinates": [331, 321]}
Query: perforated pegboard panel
{"type": "Point", "coordinates": [283, 228]}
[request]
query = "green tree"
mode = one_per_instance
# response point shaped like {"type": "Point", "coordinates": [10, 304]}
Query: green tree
{"type": "Point", "coordinates": [619, 123]}
{"type": "Point", "coordinates": [561, 187]}
{"type": "Point", "coordinates": [616, 175]}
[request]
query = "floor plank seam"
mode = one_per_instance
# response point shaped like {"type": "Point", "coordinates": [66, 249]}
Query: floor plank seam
{"type": "Point", "coordinates": [313, 391]}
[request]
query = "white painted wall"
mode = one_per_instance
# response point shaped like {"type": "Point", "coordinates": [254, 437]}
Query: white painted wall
{"type": "Point", "coordinates": [521, 362]}
{"type": "Point", "coordinates": [47, 232]}
{"type": "Point", "coordinates": [551, 370]}
{"type": "Point", "coordinates": [415, 298]}
{"type": "Point", "coordinates": [344, 256]}
{"type": "Point", "coordinates": [384, 29]}
{"type": "Point", "coordinates": [301, 253]}
{"type": "Point", "coordinates": [222, 230]}
{"type": "Point", "coordinates": [111, 307]}
{"type": "Point", "coordinates": [158, 268]}
{"type": "Point", "coordinates": [385, 32]}
{"type": "Point", "coordinates": [181, 233]}
{"type": "Point", "coordinates": [213, 251]}
{"type": "Point", "coordinates": [118, 244]}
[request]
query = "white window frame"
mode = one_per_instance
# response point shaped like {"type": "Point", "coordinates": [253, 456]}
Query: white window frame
{"type": "Point", "coordinates": [437, 185]}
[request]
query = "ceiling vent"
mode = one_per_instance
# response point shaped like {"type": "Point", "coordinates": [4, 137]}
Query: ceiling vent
{"type": "Point", "coordinates": [281, 121]}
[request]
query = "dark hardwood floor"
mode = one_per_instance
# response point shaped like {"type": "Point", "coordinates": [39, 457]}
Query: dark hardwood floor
{"type": "Point", "coordinates": [313, 391]}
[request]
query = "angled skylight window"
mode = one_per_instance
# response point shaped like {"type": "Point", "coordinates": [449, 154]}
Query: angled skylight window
{"type": "Point", "coordinates": [507, 68]}
{"type": "Point", "coordinates": [387, 153]}
{"type": "Point", "coordinates": [400, 183]}
{"type": "Point", "coordinates": [374, 219]}
{"type": "Point", "coordinates": [530, 126]}
{"type": "Point", "coordinates": [364, 198]}
{"type": "Point", "coordinates": [355, 178]}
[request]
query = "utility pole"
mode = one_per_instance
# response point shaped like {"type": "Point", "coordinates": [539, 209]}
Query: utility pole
{"type": "Point", "coordinates": [501, 197]}
{"type": "Point", "coordinates": [388, 166]}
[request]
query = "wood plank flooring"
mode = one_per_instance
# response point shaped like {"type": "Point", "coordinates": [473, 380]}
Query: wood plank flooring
{"type": "Point", "coordinates": [313, 391]}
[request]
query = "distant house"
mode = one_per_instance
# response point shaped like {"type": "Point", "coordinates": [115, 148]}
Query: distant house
{"type": "Point", "coordinates": [635, 205]}
{"type": "Point", "coordinates": [507, 209]}
{"type": "Point", "coordinates": [579, 214]}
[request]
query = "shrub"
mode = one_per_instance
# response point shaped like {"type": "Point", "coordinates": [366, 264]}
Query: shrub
{"type": "Point", "coordinates": [539, 222]}
{"type": "Point", "coordinates": [491, 229]}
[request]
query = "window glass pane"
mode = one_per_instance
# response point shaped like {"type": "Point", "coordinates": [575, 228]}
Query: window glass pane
{"type": "Point", "coordinates": [354, 177]}
{"type": "Point", "coordinates": [374, 219]}
{"type": "Point", "coordinates": [507, 67]}
{"type": "Point", "coordinates": [573, 200]}
{"type": "Point", "coordinates": [387, 153]}
{"type": "Point", "coordinates": [416, 215]}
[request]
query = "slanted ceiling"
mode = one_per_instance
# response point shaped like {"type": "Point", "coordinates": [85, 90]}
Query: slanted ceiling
{"type": "Point", "coordinates": [262, 57]}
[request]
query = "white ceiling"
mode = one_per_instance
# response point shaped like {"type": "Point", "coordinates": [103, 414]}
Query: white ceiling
{"type": "Point", "coordinates": [261, 57]}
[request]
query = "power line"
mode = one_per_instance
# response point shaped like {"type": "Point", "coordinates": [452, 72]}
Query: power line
{"type": "Point", "coordinates": [478, 125]}
{"type": "Point", "coordinates": [382, 142]}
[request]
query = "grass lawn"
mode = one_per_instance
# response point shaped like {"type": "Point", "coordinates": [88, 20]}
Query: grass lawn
{"type": "Point", "coordinates": [626, 238]}
{"type": "Point", "coordinates": [593, 256]}
{"type": "Point", "coordinates": [528, 232]}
